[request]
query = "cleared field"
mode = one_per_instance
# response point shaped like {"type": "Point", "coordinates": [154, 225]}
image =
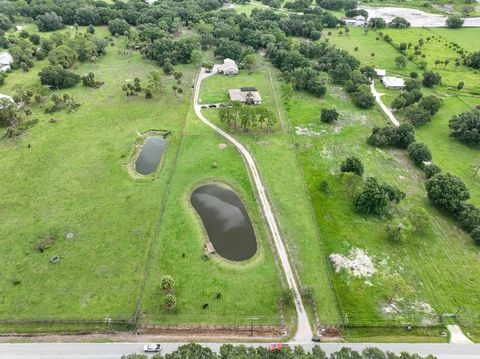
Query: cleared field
{"type": "Point", "coordinates": [439, 48]}
{"type": "Point", "coordinates": [465, 37]}
{"type": "Point", "coordinates": [367, 44]}
{"type": "Point", "coordinates": [69, 176]}
{"type": "Point", "coordinates": [280, 168]}
{"type": "Point", "coordinates": [434, 270]}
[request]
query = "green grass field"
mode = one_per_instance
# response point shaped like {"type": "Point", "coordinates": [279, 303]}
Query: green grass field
{"type": "Point", "coordinates": [433, 267]}
{"type": "Point", "coordinates": [280, 169]}
{"type": "Point", "coordinates": [440, 48]}
{"type": "Point", "coordinates": [70, 176]}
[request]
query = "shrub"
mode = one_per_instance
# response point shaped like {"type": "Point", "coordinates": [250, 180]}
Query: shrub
{"type": "Point", "coordinates": [328, 115]}
{"type": "Point", "coordinates": [447, 192]}
{"type": "Point", "coordinates": [417, 115]}
{"type": "Point", "coordinates": [475, 234]}
{"type": "Point", "coordinates": [168, 283]}
{"type": "Point", "coordinates": [353, 165]}
{"type": "Point", "coordinates": [307, 293]}
{"type": "Point", "coordinates": [431, 170]}
{"type": "Point", "coordinates": [420, 219]}
{"type": "Point", "coordinates": [431, 104]}
{"type": "Point", "coordinates": [118, 27]}
{"type": "Point", "coordinates": [169, 301]}
{"type": "Point", "coordinates": [399, 230]}
{"type": "Point", "coordinates": [431, 78]}
{"type": "Point", "coordinates": [56, 77]}
{"type": "Point", "coordinates": [377, 23]}
{"type": "Point", "coordinates": [419, 153]}
{"type": "Point", "coordinates": [454, 22]}
{"type": "Point", "coordinates": [286, 298]}
{"type": "Point", "coordinates": [466, 127]}
{"type": "Point", "coordinates": [49, 21]}
{"type": "Point", "coordinates": [469, 216]}
{"type": "Point", "coordinates": [400, 136]}
{"type": "Point", "coordinates": [376, 196]}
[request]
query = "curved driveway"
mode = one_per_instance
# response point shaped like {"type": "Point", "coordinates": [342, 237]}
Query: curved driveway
{"type": "Point", "coordinates": [304, 332]}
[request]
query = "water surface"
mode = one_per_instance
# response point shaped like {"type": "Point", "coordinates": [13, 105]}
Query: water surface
{"type": "Point", "coordinates": [226, 220]}
{"type": "Point", "coordinates": [150, 155]}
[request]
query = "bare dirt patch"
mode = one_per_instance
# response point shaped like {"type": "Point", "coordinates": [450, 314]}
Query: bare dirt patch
{"type": "Point", "coordinates": [358, 263]}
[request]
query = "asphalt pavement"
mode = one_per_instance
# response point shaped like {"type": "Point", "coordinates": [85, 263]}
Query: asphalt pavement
{"type": "Point", "coordinates": [116, 350]}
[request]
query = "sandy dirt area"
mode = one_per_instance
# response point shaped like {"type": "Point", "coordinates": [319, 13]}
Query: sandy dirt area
{"type": "Point", "coordinates": [417, 18]}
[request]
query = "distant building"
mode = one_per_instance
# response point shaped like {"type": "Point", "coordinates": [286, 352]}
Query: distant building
{"type": "Point", "coordinates": [358, 20]}
{"type": "Point", "coordinates": [150, 2]}
{"type": "Point", "coordinates": [229, 67]}
{"type": "Point", "coordinates": [5, 60]}
{"type": "Point", "coordinates": [248, 95]}
{"type": "Point", "coordinates": [2, 96]}
{"type": "Point", "coordinates": [395, 83]}
{"type": "Point", "coordinates": [380, 72]}
{"type": "Point", "coordinates": [18, 27]}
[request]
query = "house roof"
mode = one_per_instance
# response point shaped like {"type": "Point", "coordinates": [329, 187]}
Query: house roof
{"type": "Point", "coordinates": [380, 72]}
{"type": "Point", "coordinates": [248, 89]}
{"type": "Point", "coordinates": [239, 95]}
{"type": "Point", "coordinates": [391, 81]}
{"type": "Point", "coordinates": [5, 58]}
{"type": "Point", "coordinates": [228, 64]}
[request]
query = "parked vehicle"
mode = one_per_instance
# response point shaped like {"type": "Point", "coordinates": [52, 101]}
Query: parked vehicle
{"type": "Point", "coordinates": [152, 348]}
{"type": "Point", "coordinates": [278, 346]}
{"type": "Point", "coordinates": [212, 106]}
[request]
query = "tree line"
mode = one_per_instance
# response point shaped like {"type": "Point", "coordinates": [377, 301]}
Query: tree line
{"type": "Point", "coordinates": [237, 115]}
{"type": "Point", "coordinates": [230, 351]}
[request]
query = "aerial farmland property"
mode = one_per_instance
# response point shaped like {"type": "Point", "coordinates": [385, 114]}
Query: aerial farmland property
{"type": "Point", "coordinates": [266, 170]}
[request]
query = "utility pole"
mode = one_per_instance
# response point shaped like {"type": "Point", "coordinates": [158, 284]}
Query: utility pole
{"type": "Point", "coordinates": [252, 318]}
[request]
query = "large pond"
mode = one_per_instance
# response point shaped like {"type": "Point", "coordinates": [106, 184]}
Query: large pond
{"type": "Point", "coordinates": [150, 155]}
{"type": "Point", "coordinates": [226, 220]}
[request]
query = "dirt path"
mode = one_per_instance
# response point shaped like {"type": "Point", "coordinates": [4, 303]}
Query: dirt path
{"type": "Point", "coordinates": [385, 109]}
{"type": "Point", "coordinates": [304, 332]}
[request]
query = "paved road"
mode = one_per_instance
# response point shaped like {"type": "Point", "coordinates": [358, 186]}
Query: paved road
{"type": "Point", "coordinates": [304, 332]}
{"type": "Point", "coordinates": [116, 350]}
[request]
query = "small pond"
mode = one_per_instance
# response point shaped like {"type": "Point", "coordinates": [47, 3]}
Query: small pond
{"type": "Point", "coordinates": [226, 220]}
{"type": "Point", "coordinates": [150, 155]}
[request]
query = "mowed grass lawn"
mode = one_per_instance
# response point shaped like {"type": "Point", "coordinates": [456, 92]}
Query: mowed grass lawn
{"type": "Point", "coordinates": [437, 268]}
{"type": "Point", "coordinates": [279, 166]}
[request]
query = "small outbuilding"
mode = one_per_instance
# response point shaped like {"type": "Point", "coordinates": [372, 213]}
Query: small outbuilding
{"type": "Point", "coordinates": [5, 60]}
{"type": "Point", "coordinates": [2, 96]}
{"type": "Point", "coordinates": [229, 67]}
{"type": "Point", "coordinates": [380, 72]}
{"type": "Point", "coordinates": [247, 95]}
{"type": "Point", "coordinates": [209, 248]}
{"type": "Point", "coordinates": [394, 83]}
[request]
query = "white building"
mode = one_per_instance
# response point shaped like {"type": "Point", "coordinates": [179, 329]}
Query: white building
{"type": "Point", "coordinates": [358, 20]}
{"type": "Point", "coordinates": [395, 83]}
{"type": "Point", "coordinates": [150, 2]}
{"type": "Point", "coordinates": [229, 67]}
{"type": "Point", "coordinates": [5, 61]}
{"type": "Point", "coordinates": [380, 72]}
